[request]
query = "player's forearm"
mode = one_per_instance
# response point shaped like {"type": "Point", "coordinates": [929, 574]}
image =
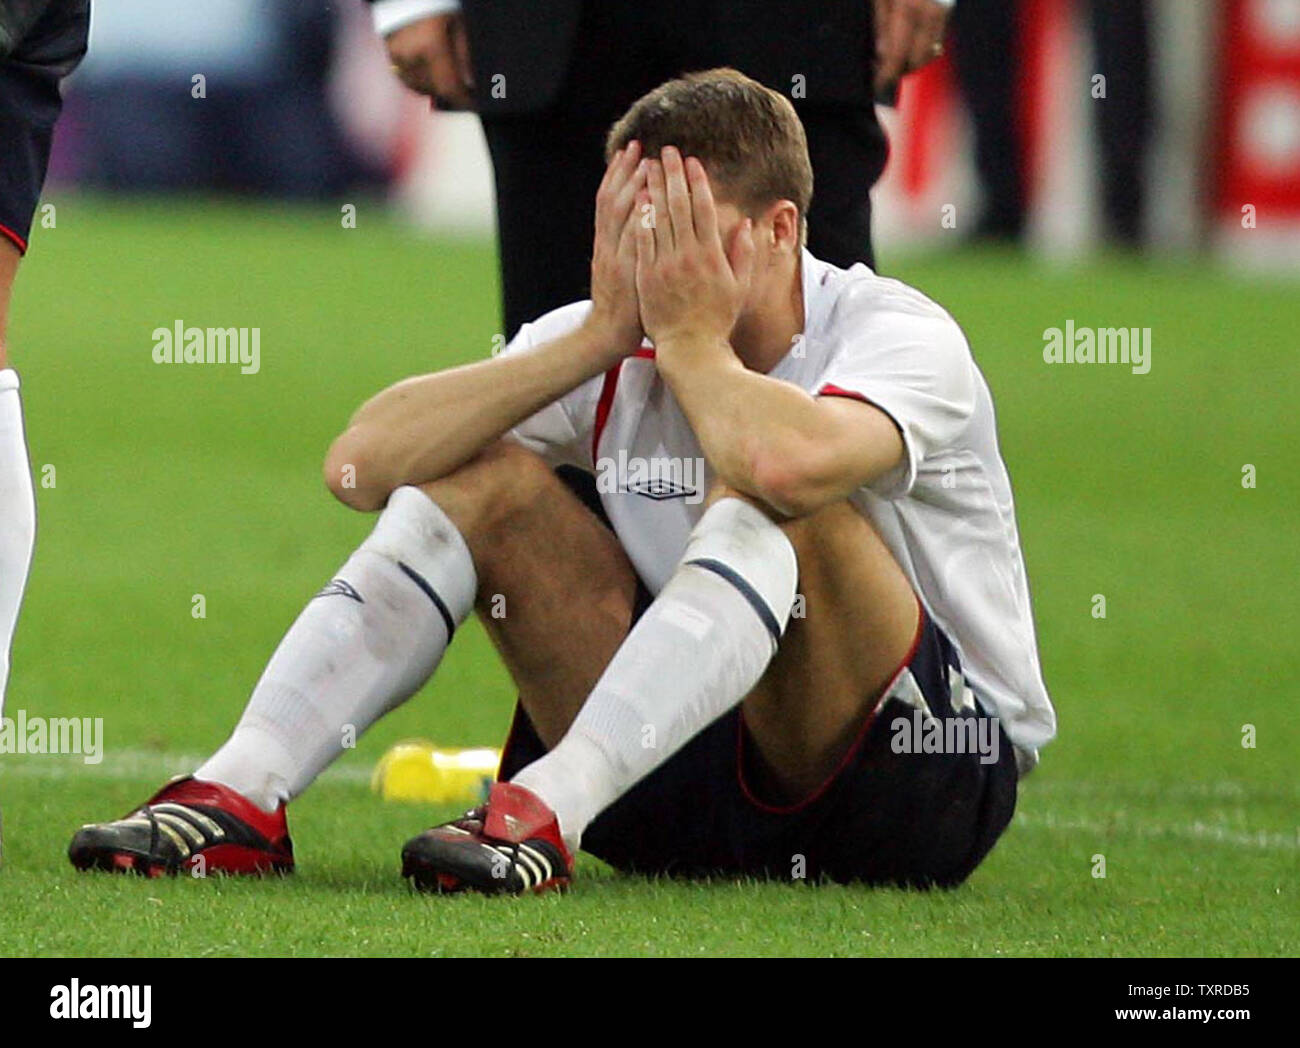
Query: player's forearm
{"type": "Point", "coordinates": [760, 435]}
{"type": "Point", "coordinates": [425, 427]}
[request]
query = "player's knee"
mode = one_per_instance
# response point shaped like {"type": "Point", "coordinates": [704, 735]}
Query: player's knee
{"type": "Point", "coordinates": [719, 490]}
{"type": "Point", "coordinates": [507, 477]}
{"type": "Point", "coordinates": [505, 482]}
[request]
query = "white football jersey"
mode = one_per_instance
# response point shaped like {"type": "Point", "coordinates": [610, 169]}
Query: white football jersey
{"type": "Point", "coordinates": [946, 512]}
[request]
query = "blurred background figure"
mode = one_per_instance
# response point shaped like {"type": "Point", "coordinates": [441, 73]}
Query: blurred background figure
{"type": "Point", "coordinates": [1195, 144]}
{"type": "Point", "coordinates": [1171, 122]}
{"type": "Point", "coordinates": [988, 32]}
{"type": "Point", "coordinates": [224, 95]}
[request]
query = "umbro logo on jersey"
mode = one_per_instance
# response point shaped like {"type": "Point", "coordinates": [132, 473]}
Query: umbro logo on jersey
{"type": "Point", "coordinates": [658, 477]}
{"type": "Point", "coordinates": [339, 588]}
{"type": "Point", "coordinates": [660, 489]}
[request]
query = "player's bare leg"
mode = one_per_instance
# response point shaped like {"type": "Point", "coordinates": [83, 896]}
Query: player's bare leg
{"type": "Point", "coordinates": [858, 618]}
{"type": "Point", "coordinates": [859, 614]}
{"type": "Point", "coordinates": [555, 588]}
{"type": "Point", "coordinates": [669, 677]}
{"type": "Point", "coordinates": [556, 594]}
{"type": "Point", "coordinates": [698, 649]}
{"type": "Point", "coordinates": [858, 621]}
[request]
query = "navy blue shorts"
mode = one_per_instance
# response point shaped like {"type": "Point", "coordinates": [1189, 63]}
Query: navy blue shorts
{"type": "Point", "coordinates": [41, 42]}
{"type": "Point", "coordinates": [887, 815]}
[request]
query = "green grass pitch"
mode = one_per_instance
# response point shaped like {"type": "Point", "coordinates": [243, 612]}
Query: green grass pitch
{"type": "Point", "coordinates": [172, 481]}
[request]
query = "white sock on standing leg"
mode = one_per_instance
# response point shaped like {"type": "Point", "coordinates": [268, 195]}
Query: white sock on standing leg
{"type": "Point", "coordinates": [17, 516]}
{"type": "Point", "coordinates": [696, 652]}
{"type": "Point", "coordinates": [360, 648]}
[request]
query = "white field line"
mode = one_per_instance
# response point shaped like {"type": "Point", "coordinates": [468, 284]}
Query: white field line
{"type": "Point", "coordinates": [1224, 790]}
{"type": "Point", "coordinates": [132, 764]}
{"type": "Point", "coordinates": [1199, 832]}
{"type": "Point", "coordinates": [153, 767]}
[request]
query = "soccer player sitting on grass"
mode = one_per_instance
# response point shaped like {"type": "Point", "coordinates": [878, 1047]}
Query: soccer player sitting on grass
{"type": "Point", "coordinates": [712, 680]}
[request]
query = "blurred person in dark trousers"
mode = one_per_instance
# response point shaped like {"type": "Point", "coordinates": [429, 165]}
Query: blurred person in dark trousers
{"type": "Point", "coordinates": [549, 77]}
{"type": "Point", "coordinates": [985, 35]}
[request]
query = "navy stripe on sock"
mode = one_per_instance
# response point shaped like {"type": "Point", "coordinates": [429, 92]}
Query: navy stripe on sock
{"type": "Point", "coordinates": [746, 590]}
{"type": "Point", "coordinates": [419, 580]}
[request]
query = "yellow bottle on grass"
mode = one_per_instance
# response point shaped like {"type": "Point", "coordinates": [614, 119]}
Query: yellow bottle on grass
{"type": "Point", "coordinates": [419, 771]}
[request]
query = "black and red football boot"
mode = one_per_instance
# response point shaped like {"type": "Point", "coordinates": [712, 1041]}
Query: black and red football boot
{"type": "Point", "coordinates": [198, 827]}
{"type": "Point", "coordinates": [510, 845]}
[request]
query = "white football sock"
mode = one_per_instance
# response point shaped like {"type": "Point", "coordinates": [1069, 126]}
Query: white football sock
{"type": "Point", "coordinates": [17, 516]}
{"type": "Point", "coordinates": [696, 652]}
{"type": "Point", "coordinates": [364, 645]}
